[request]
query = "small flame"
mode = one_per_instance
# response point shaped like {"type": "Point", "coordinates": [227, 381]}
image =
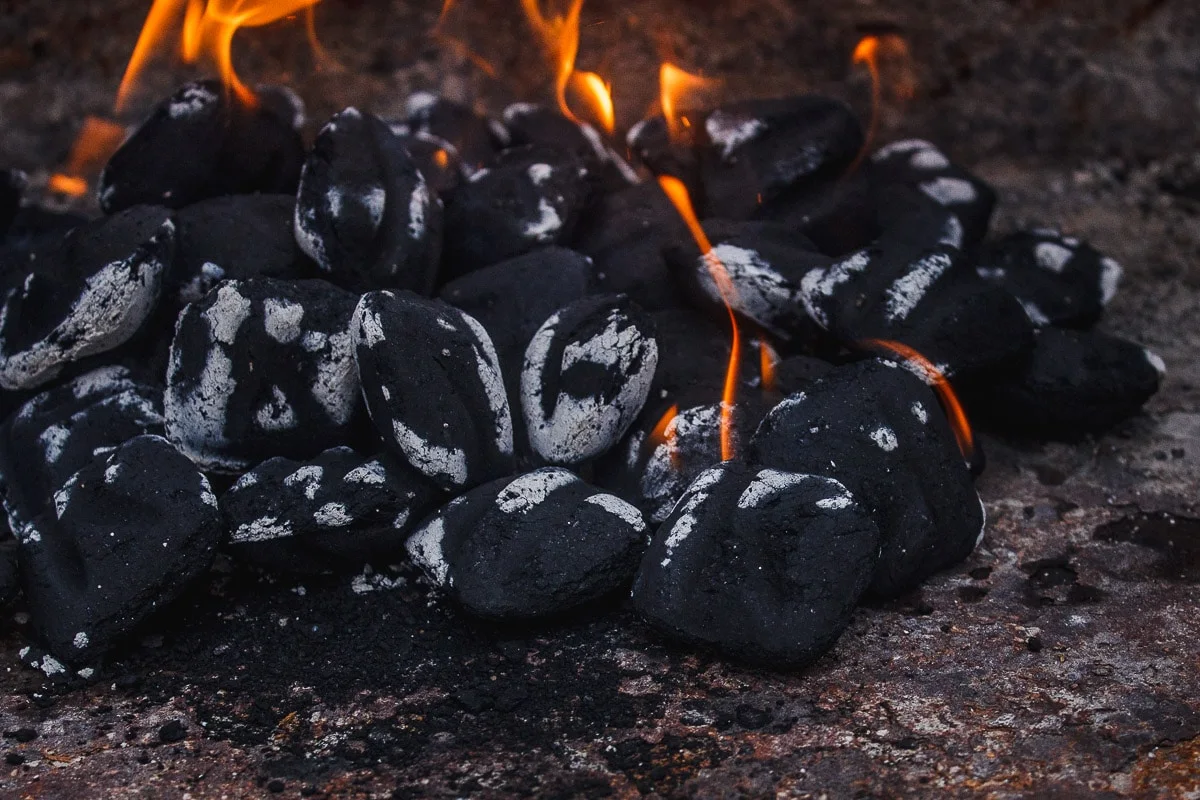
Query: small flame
{"type": "Point", "coordinates": [891, 50]}
{"type": "Point", "coordinates": [559, 37]}
{"type": "Point", "coordinates": [97, 141]}
{"type": "Point", "coordinates": [768, 359]}
{"type": "Point", "coordinates": [941, 386]}
{"type": "Point", "coordinates": [676, 89]}
{"type": "Point", "coordinates": [598, 95]}
{"type": "Point", "coordinates": [678, 194]}
{"type": "Point", "coordinates": [208, 30]}
{"type": "Point", "coordinates": [667, 432]}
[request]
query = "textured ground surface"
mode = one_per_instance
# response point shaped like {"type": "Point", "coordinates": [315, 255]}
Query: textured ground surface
{"type": "Point", "coordinates": [1060, 660]}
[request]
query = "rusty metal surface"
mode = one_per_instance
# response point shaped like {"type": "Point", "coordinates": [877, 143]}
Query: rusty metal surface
{"type": "Point", "coordinates": [1061, 660]}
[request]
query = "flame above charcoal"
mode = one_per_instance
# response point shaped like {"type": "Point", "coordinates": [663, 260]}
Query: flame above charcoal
{"type": "Point", "coordinates": [889, 63]}
{"type": "Point", "coordinates": [558, 34]}
{"type": "Point", "coordinates": [678, 194]}
{"type": "Point", "coordinates": [677, 90]}
{"type": "Point", "coordinates": [208, 30]}
{"type": "Point", "coordinates": [941, 386]}
{"type": "Point", "coordinates": [767, 360]}
{"type": "Point", "coordinates": [97, 140]}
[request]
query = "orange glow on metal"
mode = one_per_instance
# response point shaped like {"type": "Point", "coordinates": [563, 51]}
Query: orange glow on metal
{"type": "Point", "coordinates": [96, 142]}
{"type": "Point", "coordinates": [208, 27]}
{"type": "Point", "coordinates": [941, 386]}
{"type": "Point", "coordinates": [676, 87]}
{"type": "Point", "coordinates": [678, 194]}
{"type": "Point", "coordinates": [767, 358]}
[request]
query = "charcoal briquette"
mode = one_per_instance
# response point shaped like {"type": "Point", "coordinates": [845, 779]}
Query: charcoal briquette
{"type": "Point", "coordinates": [651, 141]}
{"type": "Point", "coordinates": [364, 212]}
{"type": "Point", "coordinates": [539, 545]}
{"type": "Point", "coordinates": [260, 368]}
{"type": "Point", "coordinates": [128, 534]}
{"type": "Point", "coordinates": [758, 151]}
{"type": "Point", "coordinates": [433, 386]}
{"type": "Point", "coordinates": [436, 158]}
{"type": "Point", "coordinates": [529, 197]}
{"type": "Point", "coordinates": [878, 429]}
{"type": "Point", "coordinates": [475, 139]}
{"type": "Point", "coordinates": [587, 374]}
{"type": "Point", "coordinates": [202, 142]}
{"type": "Point", "coordinates": [1060, 280]}
{"type": "Point", "coordinates": [59, 431]}
{"type": "Point", "coordinates": [757, 269]}
{"type": "Point", "coordinates": [335, 511]}
{"type": "Point", "coordinates": [92, 291]}
{"type": "Point", "coordinates": [1075, 382]}
{"type": "Point", "coordinates": [533, 124]}
{"type": "Point", "coordinates": [759, 564]}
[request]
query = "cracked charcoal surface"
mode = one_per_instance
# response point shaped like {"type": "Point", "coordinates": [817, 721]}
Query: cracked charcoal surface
{"type": "Point", "coordinates": [981, 652]}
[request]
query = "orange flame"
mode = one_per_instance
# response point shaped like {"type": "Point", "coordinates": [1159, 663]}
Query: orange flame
{"type": "Point", "coordinates": [666, 432]}
{"type": "Point", "coordinates": [208, 30]}
{"type": "Point", "coordinates": [871, 52]}
{"type": "Point", "coordinates": [97, 140]}
{"type": "Point", "coordinates": [458, 45]}
{"type": "Point", "coordinates": [678, 194]}
{"type": "Point", "coordinates": [677, 87]}
{"type": "Point", "coordinates": [767, 358]}
{"type": "Point", "coordinates": [941, 386]}
{"type": "Point", "coordinates": [598, 95]}
{"type": "Point", "coordinates": [559, 37]}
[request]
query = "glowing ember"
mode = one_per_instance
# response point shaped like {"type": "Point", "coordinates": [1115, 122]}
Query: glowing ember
{"type": "Point", "coordinates": [768, 359]}
{"type": "Point", "coordinates": [97, 140]}
{"type": "Point", "coordinates": [678, 88]}
{"type": "Point", "coordinates": [949, 400]}
{"type": "Point", "coordinates": [208, 30]}
{"type": "Point", "coordinates": [678, 195]}
{"type": "Point", "coordinates": [441, 34]}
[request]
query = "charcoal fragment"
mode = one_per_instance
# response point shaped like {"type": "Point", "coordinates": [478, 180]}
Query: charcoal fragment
{"type": "Point", "coordinates": [92, 291]}
{"type": "Point", "coordinates": [1075, 382]}
{"type": "Point", "coordinates": [876, 428]}
{"type": "Point", "coordinates": [335, 511]}
{"type": "Point", "coordinates": [364, 212]}
{"type": "Point", "coordinates": [1060, 280]}
{"type": "Point", "coordinates": [432, 384]}
{"type": "Point", "coordinates": [128, 534]}
{"type": "Point", "coordinates": [260, 368]}
{"type": "Point", "coordinates": [202, 142]}
{"type": "Point", "coordinates": [624, 233]}
{"type": "Point", "coordinates": [920, 164]}
{"type": "Point", "coordinates": [58, 432]}
{"type": "Point", "coordinates": [235, 237]}
{"type": "Point", "coordinates": [586, 376]}
{"type": "Point", "coordinates": [529, 197]}
{"type": "Point", "coordinates": [758, 268]}
{"type": "Point", "coordinates": [539, 545]}
{"type": "Point", "coordinates": [761, 565]}
{"type": "Point", "coordinates": [758, 151]}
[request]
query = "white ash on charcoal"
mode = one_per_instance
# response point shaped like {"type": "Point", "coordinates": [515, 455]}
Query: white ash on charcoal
{"type": "Point", "coordinates": [921, 165]}
{"type": "Point", "coordinates": [336, 511]}
{"type": "Point", "coordinates": [91, 292]}
{"type": "Point", "coordinates": [880, 431]}
{"type": "Point", "coordinates": [364, 212]}
{"type": "Point", "coordinates": [58, 432]}
{"type": "Point", "coordinates": [436, 158]}
{"type": "Point", "coordinates": [927, 298]}
{"type": "Point", "coordinates": [128, 534]}
{"type": "Point", "coordinates": [540, 545]}
{"type": "Point", "coordinates": [759, 564]}
{"type": "Point", "coordinates": [1075, 383]}
{"type": "Point", "coordinates": [532, 124]}
{"type": "Point", "coordinates": [235, 237]}
{"type": "Point", "coordinates": [12, 186]}
{"type": "Point", "coordinates": [586, 376]}
{"type": "Point", "coordinates": [624, 233]}
{"type": "Point", "coordinates": [654, 466]}
{"type": "Point", "coordinates": [500, 298]}
{"type": "Point", "coordinates": [474, 138]}
{"type": "Point", "coordinates": [199, 143]}
{"type": "Point", "coordinates": [765, 264]}
{"type": "Point", "coordinates": [758, 151]}
{"type": "Point", "coordinates": [262, 368]}
{"type": "Point", "coordinates": [528, 197]}
{"type": "Point", "coordinates": [1060, 280]}
{"type": "Point", "coordinates": [433, 387]}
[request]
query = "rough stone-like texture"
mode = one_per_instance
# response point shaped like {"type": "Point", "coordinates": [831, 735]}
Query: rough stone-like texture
{"type": "Point", "coordinates": [1059, 659]}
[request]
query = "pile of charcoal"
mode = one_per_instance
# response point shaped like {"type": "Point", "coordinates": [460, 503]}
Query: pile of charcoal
{"type": "Point", "coordinates": [493, 347]}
